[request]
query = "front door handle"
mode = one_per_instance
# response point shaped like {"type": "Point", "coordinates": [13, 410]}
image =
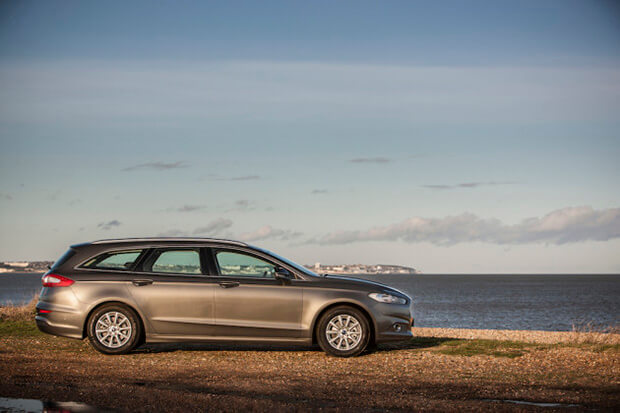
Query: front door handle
{"type": "Point", "coordinates": [229, 284]}
{"type": "Point", "coordinates": [140, 283]}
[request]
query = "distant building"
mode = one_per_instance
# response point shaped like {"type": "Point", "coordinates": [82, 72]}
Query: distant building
{"type": "Point", "coordinates": [362, 269]}
{"type": "Point", "coordinates": [20, 264]}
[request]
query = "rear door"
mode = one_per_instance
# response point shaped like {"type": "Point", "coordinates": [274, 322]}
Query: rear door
{"type": "Point", "coordinates": [250, 302]}
{"type": "Point", "coordinates": [175, 292]}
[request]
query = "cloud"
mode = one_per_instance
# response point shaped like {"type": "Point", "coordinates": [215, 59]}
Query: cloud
{"type": "Point", "coordinates": [172, 233]}
{"type": "Point", "coordinates": [438, 186]}
{"type": "Point", "coordinates": [187, 208]}
{"type": "Point", "coordinates": [319, 191]}
{"type": "Point", "coordinates": [217, 177]}
{"type": "Point", "coordinates": [158, 166]}
{"type": "Point", "coordinates": [567, 225]}
{"type": "Point", "coordinates": [5, 197]}
{"type": "Point", "coordinates": [109, 225]}
{"type": "Point", "coordinates": [54, 195]}
{"type": "Point", "coordinates": [214, 227]}
{"type": "Point", "coordinates": [245, 178]}
{"type": "Point", "coordinates": [370, 160]}
{"type": "Point", "coordinates": [241, 205]}
{"type": "Point", "coordinates": [468, 185]}
{"type": "Point", "coordinates": [268, 232]}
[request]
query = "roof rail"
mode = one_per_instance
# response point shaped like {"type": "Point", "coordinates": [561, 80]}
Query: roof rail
{"type": "Point", "coordinates": [148, 239]}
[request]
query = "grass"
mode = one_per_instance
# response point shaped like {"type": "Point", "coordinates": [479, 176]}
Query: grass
{"type": "Point", "coordinates": [495, 348]}
{"type": "Point", "coordinates": [595, 337]}
{"type": "Point", "coordinates": [19, 320]}
{"type": "Point", "coordinates": [466, 347]}
{"type": "Point", "coordinates": [19, 328]}
{"type": "Point", "coordinates": [591, 345]}
{"type": "Point", "coordinates": [24, 312]}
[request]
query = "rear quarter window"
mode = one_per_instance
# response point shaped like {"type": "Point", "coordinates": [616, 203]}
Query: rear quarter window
{"type": "Point", "coordinates": [117, 260]}
{"type": "Point", "coordinates": [63, 259]}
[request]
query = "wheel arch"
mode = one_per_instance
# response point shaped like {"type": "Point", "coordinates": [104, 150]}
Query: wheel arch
{"type": "Point", "coordinates": [101, 304]}
{"type": "Point", "coordinates": [371, 320]}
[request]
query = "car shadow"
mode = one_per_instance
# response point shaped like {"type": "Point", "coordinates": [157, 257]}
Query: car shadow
{"type": "Point", "coordinates": [412, 344]}
{"type": "Point", "coordinates": [171, 347]}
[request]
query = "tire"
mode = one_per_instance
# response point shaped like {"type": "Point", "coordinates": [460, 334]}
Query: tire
{"type": "Point", "coordinates": [343, 331]}
{"type": "Point", "coordinates": [114, 329]}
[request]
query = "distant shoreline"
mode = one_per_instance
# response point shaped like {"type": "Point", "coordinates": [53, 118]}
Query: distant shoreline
{"type": "Point", "coordinates": [365, 269]}
{"type": "Point", "coordinates": [388, 273]}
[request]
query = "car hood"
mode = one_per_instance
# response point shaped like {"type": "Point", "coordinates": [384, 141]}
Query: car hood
{"type": "Point", "coordinates": [362, 284]}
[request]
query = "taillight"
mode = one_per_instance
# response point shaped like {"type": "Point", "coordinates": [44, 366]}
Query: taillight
{"type": "Point", "coordinates": [55, 280]}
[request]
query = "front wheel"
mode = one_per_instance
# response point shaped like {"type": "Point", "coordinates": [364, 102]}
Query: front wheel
{"type": "Point", "coordinates": [343, 332]}
{"type": "Point", "coordinates": [114, 329]}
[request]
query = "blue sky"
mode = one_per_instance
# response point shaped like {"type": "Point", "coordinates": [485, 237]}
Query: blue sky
{"type": "Point", "coordinates": [452, 137]}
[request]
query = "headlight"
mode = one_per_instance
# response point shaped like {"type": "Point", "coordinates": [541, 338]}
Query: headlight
{"type": "Point", "coordinates": [387, 298]}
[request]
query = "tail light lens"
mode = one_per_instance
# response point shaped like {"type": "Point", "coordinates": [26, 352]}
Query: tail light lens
{"type": "Point", "coordinates": [55, 280]}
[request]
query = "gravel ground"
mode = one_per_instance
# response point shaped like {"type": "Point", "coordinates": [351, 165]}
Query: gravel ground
{"type": "Point", "coordinates": [528, 336]}
{"type": "Point", "coordinates": [430, 374]}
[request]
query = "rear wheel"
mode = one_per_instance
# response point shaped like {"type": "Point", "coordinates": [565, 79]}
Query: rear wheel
{"type": "Point", "coordinates": [114, 329]}
{"type": "Point", "coordinates": [343, 331]}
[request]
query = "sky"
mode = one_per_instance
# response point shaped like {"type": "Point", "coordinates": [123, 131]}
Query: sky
{"type": "Point", "coordinates": [453, 137]}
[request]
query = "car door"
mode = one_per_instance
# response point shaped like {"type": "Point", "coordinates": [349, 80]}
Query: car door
{"type": "Point", "coordinates": [250, 302]}
{"type": "Point", "coordinates": [175, 292]}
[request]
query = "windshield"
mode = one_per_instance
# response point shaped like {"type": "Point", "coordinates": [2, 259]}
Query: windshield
{"type": "Point", "coordinates": [298, 267]}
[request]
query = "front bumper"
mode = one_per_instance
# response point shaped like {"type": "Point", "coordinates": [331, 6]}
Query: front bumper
{"type": "Point", "coordinates": [394, 323]}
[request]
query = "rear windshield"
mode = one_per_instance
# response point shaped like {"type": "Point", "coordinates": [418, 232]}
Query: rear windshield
{"type": "Point", "coordinates": [65, 257]}
{"type": "Point", "coordinates": [117, 260]}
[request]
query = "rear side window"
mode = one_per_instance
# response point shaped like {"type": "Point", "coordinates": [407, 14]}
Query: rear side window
{"type": "Point", "coordinates": [119, 260]}
{"type": "Point", "coordinates": [177, 262]}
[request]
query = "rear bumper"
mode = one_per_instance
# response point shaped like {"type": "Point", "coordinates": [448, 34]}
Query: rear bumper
{"type": "Point", "coordinates": [57, 329]}
{"type": "Point", "coordinates": [60, 313]}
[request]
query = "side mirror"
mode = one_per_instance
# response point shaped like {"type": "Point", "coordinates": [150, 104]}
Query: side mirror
{"type": "Point", "coordinates": [283, 274]}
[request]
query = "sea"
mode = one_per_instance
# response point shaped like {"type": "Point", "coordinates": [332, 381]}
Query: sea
{"type": "Point", "coordinates": [501, 301]}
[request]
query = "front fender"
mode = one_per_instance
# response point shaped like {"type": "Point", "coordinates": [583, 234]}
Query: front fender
{"type": "Point", "coordinates": [316, 302]}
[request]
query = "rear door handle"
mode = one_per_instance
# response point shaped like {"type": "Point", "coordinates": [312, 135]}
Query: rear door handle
{"type": "Point", "coordinates": [140, 283]}
{"type": "Point", "coordinates": [229, 284]}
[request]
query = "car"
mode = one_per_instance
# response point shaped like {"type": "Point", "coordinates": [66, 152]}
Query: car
{"type": "Point", "coordinates": [122, 293]}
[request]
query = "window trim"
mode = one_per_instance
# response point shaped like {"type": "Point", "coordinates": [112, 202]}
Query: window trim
{"type": "Point", "coordinates": [109, 253]}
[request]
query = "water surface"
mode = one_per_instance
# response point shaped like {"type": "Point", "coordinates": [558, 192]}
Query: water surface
{"type": "Point", "coordinates": [515, 302]}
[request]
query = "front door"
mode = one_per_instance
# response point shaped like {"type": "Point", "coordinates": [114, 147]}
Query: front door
{"type": "Point", "coordinates": [250, 302]}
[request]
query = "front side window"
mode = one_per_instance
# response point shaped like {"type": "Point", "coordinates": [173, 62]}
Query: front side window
{"type": "Point", "coordinates": [120, 260]}
{"type": "Point", "coordinates": [242, 265]}
{"type": "Point", "coordinates": [178, 262]}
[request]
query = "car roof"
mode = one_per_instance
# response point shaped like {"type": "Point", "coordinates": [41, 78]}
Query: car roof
{"type": "Point", "coordinates": [149, 240]}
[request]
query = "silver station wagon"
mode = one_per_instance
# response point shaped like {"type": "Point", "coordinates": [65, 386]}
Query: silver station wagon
{"type": "Point", "coordinates": [126, 292]}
